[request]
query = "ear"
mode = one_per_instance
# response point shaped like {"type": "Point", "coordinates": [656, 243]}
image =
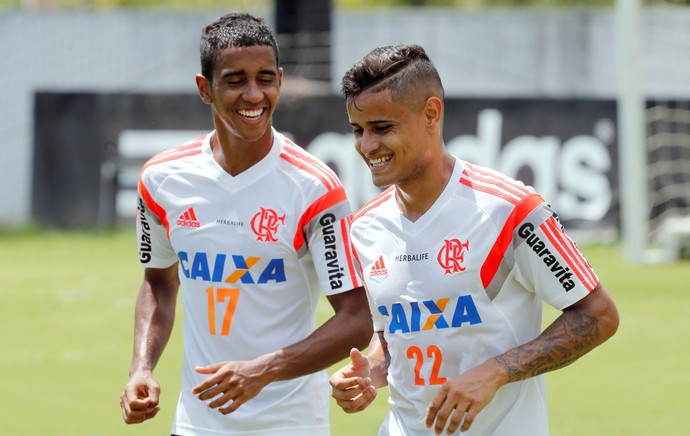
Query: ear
{"type": "Point", "coordinates": [280, 76]}
{"type": "Point", "coordinates": [433, 113]}
{"type": "Point", "coordinates": [204, 89]}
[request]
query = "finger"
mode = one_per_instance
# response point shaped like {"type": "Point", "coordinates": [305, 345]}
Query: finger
{"type": "Point", "coordinates": [132, 416]}
{"type": "Point", "coordinates": [469, 419]}
{"type": "Point", "coordinates": [135, 404]}
{"type": "Point", "coordinates": [349, 382]}
{"type": "Point", "coordinates": [350, 391]}
{"type": "Point", "coordinates": [358, 359]}
{"type": "Point", "coordinates": [434, 407]}
{"type": "Point", "coordinates": [208, 369]}
{"type": "Point", "coordinates": [211, 392]}
{"type": "Point", "coordinates": [234, 405]}
{"type": "Point", "coordinates": [153, 397]}
{"type": "Point", "coordinates": [208, 384]}
{"type": "Point", "coordinates": [456, 420]}
{"type": "Point", "coordinates": [443, 414]}
{"type": "Point", "coordinates": [359, 402]}
{"type": "Point", "coordinates": [222, 400]}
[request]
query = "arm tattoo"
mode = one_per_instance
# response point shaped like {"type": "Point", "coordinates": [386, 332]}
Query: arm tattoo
{"type": "Point", "coordinates": [568, 338]}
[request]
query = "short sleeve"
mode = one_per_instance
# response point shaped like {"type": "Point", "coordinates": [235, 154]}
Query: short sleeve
{"type": "Point", "coordinates": [549, 262]}
{"type": "Point", "coordinates": [155, 250]}
{"type": "Point", "coordinates": [328, 234]}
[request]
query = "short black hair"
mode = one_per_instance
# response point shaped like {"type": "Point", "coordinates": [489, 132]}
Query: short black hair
{"type": "Point", "coordinates": [236, 29]}
{"type": "Point", "coordinates": [397, 68]}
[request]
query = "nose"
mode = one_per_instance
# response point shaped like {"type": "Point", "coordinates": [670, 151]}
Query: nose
{"type": "Point", "coordinates": [368, 143]}
{"type": "Point", "coordinates": [252, 92]}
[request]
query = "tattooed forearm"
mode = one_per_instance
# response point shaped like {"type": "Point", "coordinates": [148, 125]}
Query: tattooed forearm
{"type": "Point", "coordinates": [568, 338]}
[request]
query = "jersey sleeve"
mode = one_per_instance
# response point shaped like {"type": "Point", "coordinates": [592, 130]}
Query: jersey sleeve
{"type": "Point", "coordinates": [328, 234]}
{"type": "Point", "coordinates": [155, 250]}
{"type": "Point", "coordinates": [548, 261]}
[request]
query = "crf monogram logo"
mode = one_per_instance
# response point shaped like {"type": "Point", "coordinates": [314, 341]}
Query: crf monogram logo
{"type": "Point", "coordinates": [265, 225]}
{"type": "Point", "coordinates": [452, 255]}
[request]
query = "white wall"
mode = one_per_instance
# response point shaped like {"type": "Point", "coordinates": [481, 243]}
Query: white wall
{"type": "Point", "coordinates": [494, 54]}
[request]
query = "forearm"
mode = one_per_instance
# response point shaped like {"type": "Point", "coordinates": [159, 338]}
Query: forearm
{"type": "Point", "coordinates": [573, 334]}
{"type": "Point", "coordinates": [379, 360]}
{"type": "Point", "coordinates": [328, 344]}
{"type": "Point", "coordinates": [154, 319]}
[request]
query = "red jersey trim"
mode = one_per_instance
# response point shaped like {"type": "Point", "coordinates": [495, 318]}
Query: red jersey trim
{"type": "Point", "coordinates": [301, 159]}
{"type": "Point", "coordinates": [156, 208]}
{"type": "Point", "coordinates": [185, 150]}
{"type": "Point", "coordinates": [505, 237]}
{"type": "Point", "coordinates": [566, 247]}
{"type": "Point", "coordinates": [345, 229]}
{"type": "Point", "coordinates": [327, 200]}
{"type": "Point", "coordinates": [374, 202]}
{"type": "Point", "coordinates": [493, 183]}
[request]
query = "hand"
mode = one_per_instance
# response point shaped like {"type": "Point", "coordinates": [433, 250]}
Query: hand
{"type": "Point", "coordinates": [231, 382]}
{"type": "Point", "coordinates": [139, 399]}
{"type": "Point", "coordinates": [352, 388]}
{"type": "Point", "coordinates": [464, 396]}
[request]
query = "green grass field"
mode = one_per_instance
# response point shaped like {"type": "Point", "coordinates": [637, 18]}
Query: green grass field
{"type": "Point", "coordinates": [67, 303]}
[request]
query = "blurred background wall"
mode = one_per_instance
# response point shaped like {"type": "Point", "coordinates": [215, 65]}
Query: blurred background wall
{"type": "Point", "coordinates": [495, 54]}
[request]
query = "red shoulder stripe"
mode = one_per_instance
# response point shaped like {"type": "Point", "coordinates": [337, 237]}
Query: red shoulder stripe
{"type": "Point", "coordinates": [177, 153]}
{"type": "Point", "coordinates": [505, 237]}
{"type": "Point", "coordinates": [327, 200]}
{"type": "Point", "coordinates": [294, 153]}
{"type": "Point", "coordinates": [345, 229]}
{"type": "Point", "coordinates": [154, 207]}
{"type": "Point", "coordinates": [493, 183]}
{"type": "Point", "coordinates": [382, 197]}
{"type": "Point", "coordinates": [566, 247]}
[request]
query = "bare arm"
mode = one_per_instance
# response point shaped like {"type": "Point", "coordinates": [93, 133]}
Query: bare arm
{"type": "Point", "coordinates": [154, 318]}
{"type": "Point", "coordinates": [579, 329]}
{"type": "Point", "coordinates": [349, 327]}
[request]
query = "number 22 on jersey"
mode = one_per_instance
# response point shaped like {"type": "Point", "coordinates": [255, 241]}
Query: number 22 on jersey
{"type": "Point", "coordinates": [221, 295]}
{"type": "Point", "coordinates": [433, 353]}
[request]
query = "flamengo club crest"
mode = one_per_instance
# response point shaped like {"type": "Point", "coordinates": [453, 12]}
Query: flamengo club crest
{"type": "Point", "coordinates": [452, 255]}
{"type": "Point", "coordinates": [265, 225]}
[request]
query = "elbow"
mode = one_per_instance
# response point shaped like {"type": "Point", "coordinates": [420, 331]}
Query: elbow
{"type": "Point", "coordinates": [610, 321]}
{"type": "Point", "coordinates": [607, 316]}
{"type": "Point", "coordinates": [365, 332]}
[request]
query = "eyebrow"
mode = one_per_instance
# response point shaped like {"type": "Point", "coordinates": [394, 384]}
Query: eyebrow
{"type": "Point", "coordinates": [235, 73]}
{"type": "Point", "coordinates": [371, 123]}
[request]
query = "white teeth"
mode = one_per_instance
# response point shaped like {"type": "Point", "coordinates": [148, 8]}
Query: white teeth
{"type": "Point", "coordinates": [254, 113]}
{"type": "Point", "coordinates": [379, 161]}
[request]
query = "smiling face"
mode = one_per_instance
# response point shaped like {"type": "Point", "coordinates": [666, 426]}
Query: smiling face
{"type": "Point", "coordinates": [397, 138]}
{"type": "Point", "coordinates": [244, 92]}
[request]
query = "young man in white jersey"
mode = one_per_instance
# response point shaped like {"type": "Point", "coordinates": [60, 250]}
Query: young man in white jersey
{"type": "Point", "coordinates": [252, 229]}
{"type": "Point", "coordinates": [457, 260]}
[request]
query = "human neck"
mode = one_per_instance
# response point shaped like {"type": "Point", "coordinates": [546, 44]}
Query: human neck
{"type": "Point", "coordinates": [236, 155]}
{"type": "Point", "coordinates": [416, 197]}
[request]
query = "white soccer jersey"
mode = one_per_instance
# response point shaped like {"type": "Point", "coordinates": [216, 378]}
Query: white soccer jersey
{"type": "Point", "coordinates": [461, 285]}
{"type": "Point", "coordinates": [248, 283]}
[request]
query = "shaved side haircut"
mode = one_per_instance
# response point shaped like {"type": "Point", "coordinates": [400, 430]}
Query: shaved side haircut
{"type": "Point", "coordinates": [401, 69]}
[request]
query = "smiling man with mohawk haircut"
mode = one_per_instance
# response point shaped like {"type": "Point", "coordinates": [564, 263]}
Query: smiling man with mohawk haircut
{"type": "Point", "coordinates": [470, 255]}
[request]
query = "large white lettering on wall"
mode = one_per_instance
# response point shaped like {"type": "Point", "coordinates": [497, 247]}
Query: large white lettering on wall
{"type": "Point", "coordinates": [571, 175]}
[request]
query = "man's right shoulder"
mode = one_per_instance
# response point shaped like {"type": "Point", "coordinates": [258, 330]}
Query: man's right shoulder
{"type": "Point", "coordinates": [175, 155]}
{"type": "Point", "coordinates": [373, 206]}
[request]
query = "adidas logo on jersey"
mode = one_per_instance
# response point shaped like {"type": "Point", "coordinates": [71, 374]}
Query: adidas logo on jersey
{"type": "Point", "coordinates": [188, 219]}
{"type": "Point", "coordinates": [379, 268]}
